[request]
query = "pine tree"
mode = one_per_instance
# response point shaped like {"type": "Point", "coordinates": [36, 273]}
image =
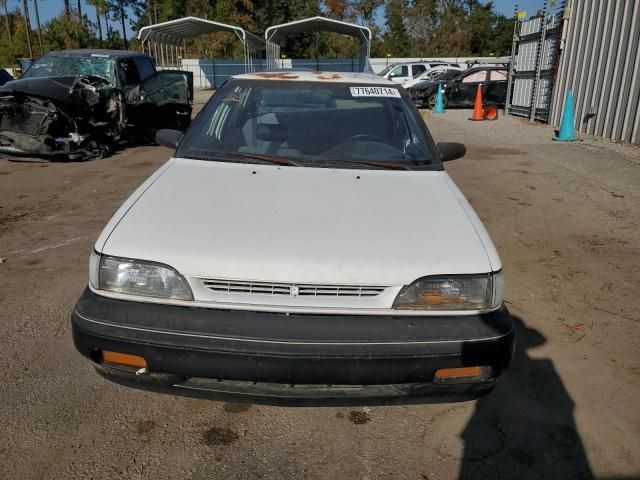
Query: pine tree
{"type": "Point", "coordinates": [396, 38]}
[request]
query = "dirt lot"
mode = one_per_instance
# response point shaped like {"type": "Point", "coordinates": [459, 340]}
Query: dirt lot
{"type": "Point", "coordinates": [566, 220]}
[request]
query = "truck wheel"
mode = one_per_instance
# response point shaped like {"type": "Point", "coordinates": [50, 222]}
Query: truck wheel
{"type": "Point", "coordinates": [431, 101]}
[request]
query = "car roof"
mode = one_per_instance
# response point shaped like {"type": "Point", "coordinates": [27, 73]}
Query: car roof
{"type": "Point", "coordinates": [97, 51]}
{"type": "Point", "coordinates": [486, 67]}
{"type": "Point", "coordinates": [421, 62]}
{"type": "Point", "coordinates": [357, 78]}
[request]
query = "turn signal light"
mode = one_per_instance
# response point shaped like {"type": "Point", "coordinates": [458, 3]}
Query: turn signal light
{"type": "Point", "coordinates": [123, 359]}
{"type": "Point", "coordinates": [462, 372]}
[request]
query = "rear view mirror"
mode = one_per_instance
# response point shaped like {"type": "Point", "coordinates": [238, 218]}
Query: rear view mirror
{"type": "Point", "coordinates": [451, 150]}
{"type": "Point", "coordinates": [168, 138]}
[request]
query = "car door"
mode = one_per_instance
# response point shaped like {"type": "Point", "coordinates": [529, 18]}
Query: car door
{"type": "Point", "coordinates": [417, 70]}
{"type": "Point", "coordinates": [496, 91]}
{"type": "Point", "coordinates": [162, 100]}
{"type": "Point", "coordinates": [399, 73]}
{"type": "Point", "coordinates": [463, 90]}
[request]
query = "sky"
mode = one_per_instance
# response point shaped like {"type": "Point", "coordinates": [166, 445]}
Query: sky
{"type": "Point", "coordinates": [506, 7]}
{"type": "Point", "coordinates": [52, 8]}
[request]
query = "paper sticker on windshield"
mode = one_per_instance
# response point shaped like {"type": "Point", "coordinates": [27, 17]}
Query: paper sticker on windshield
{"type": "Point", "coordinates": [374, 92]}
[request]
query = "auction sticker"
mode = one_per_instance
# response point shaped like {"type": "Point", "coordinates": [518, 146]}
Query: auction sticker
{"type": "Point", "coordinates": [374, 92]}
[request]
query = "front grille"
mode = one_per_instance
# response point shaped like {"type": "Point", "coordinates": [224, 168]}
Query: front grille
{"type": "Point", "coordinates": [291, 289]}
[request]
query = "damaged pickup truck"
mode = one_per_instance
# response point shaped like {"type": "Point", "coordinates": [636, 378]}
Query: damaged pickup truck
{"type": "Point", "coordinates": [82, 104]}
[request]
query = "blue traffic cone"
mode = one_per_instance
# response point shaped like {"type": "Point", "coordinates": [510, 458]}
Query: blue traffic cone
{"type": "Point", "coordinates": [566, 133]}
{"type": "Point", "coordinates": [439, 100]}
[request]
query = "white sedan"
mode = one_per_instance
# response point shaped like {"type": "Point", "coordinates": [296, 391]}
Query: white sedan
{"type": "Point", "coordinates": [430, 74]}
{"type": "Point", "coordinates": [304, 245]}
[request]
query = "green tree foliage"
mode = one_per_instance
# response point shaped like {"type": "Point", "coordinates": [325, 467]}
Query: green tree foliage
{"type": "Point", "coordinates": [65, 32]}
{"type": "Point", "coordinates": [422, 20]}
{"type": "Point", "coordinates": [458, 28]}
{"type": "Point", "coordinates": [396, 38]}
{"type": "Point", "coordinates": [18, 39]}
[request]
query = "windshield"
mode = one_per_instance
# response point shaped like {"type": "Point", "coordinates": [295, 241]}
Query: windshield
{"type": "Point", "coordinates": [449, 74]}
{"type": "Point", "coordinates": [57, 66]}
{"type": "Point", "coordinates": [437, 74]}
{"type": "Point", "coordinates": [311, 124]}
{"type": "Point", "coordinates": [387, 69]}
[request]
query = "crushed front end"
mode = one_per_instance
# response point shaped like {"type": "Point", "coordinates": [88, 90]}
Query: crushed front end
{"type": "Point", "coordinates": [64, 118]}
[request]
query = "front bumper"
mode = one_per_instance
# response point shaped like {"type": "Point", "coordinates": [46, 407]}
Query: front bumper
{"type": "Point", "coordinates": [293, 359]}
{"type": "Point", "coordinates": [418, 97]}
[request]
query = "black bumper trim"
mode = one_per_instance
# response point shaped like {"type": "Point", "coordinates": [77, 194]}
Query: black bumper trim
{"type": "Point", "coordinates": [291, 349]}
{"type": "Point", "coordinates": [278, 342]}
{"type": "Point", "coordinates": [298, 395]}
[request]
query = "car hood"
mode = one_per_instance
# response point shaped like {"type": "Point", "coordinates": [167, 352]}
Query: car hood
{"type": "Point", "coordinates": [79, 91]}
{"type": "Point", "coordinates": [424, 85]}
{"type": "Point", "coordinates": [306, 225]}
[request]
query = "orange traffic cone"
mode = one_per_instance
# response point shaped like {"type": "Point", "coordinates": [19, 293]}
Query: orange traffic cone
{"type": "Point", "coordinates": [491, 113]}
{"type": "Point", "coordinates": [478, 113]}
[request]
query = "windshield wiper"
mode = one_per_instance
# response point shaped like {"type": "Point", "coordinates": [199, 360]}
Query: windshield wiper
{"type": "Point", "coordinates": [265, 158]}
{"type": "Point", "coordinates": [378, 163]}
{"type": "Point", "coordinates": [290, 162]}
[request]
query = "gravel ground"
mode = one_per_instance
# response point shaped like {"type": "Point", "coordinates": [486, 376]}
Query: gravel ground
{"type": "Point", "coordinates": [565, 219]}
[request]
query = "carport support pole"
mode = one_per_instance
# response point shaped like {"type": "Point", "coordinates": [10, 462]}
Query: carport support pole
{"type": "Point", "coordinates": [512, 64]}
{"type": "Point", "coordinates": [213, 67]}
{"type": "Point", "coordinates": [317, 50]}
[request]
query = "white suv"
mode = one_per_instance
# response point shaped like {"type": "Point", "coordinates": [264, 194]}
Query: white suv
{"type": "Point", "coordinates": [403, 72]}
{"type": "Point", "coordinates": [303, 245]}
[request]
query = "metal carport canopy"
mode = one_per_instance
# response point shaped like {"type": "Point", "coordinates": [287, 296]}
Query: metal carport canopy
{"type": "Point", "coordinates": [275, 33]}
{"type": "Point", "coordinates": [315, 24]}
{"type": "Point", "coordinates": [174, 31]}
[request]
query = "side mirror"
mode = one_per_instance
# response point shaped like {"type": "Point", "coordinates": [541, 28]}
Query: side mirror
{"type": "Point", "coordinates": [133, 95]}
{"type": "Point", "coordinates": [451, 150]}
{"type": "Point", "coordinates": [169, 138]}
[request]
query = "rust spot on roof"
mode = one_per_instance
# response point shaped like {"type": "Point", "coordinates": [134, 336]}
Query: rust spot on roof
{"type": "Point", "coordinates": [279, 75]}
{"type": "Point", "coordinates": [335, 76]}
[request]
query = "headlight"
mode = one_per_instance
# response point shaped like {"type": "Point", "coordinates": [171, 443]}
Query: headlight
{"type": "Point", "coordinates": [452, 292]}
{"type": "Point", "coordinates": [137, 277]}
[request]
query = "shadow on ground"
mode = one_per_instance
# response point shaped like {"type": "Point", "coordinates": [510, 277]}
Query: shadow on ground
{"type": "Point", "coordinates": [525, 428]}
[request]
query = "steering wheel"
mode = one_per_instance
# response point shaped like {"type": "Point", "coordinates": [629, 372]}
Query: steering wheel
{"type": "Point", "coordinates": [364, 137]}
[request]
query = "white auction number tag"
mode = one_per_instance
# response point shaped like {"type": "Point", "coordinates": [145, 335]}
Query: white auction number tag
{"type": "Point", "coordinates": [374, 92]}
